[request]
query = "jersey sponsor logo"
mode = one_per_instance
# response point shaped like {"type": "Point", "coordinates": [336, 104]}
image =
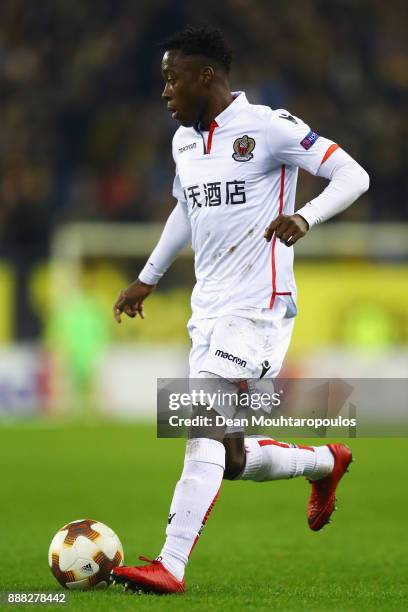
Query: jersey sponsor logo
{"type": "Point", "coordinates": [288, 117]}
{"type": "Point", "coordinates": [171, 517]}
{"type": "Point", "coordinates": [243, 148]}
{"type": "Point", "coordinates": [230, 357]}
{"type": "Point", "coordinates": [187, 147]}
{"type": "Point", "coordinates": [215, 193]}
{"type": "Point", "coordinates": [309, 140]}
{"type": "Point", "coordinates": [265, 368]}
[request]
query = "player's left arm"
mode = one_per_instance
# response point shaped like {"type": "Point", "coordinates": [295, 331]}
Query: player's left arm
{"type": "Point", "coordinates": [298, 145]}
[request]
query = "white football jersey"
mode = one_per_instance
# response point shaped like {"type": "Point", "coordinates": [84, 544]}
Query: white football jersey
{"type": "Point", "coordinates": [234, 181]}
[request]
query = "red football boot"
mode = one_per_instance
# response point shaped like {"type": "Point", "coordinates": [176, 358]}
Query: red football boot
{"type": "Point", "coordinates": [323, 497]}
{"type": "Point", "coordinates": [152, 578]}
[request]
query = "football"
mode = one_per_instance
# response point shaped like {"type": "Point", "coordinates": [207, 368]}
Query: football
{"type": "Point", "coordinates": [82, 554]}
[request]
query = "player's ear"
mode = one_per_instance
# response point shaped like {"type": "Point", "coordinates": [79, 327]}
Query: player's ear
{"type": "Point", "coordinates": [207, 75]}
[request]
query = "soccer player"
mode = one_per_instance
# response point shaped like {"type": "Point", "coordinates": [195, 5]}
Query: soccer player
{"type": "Point", "coordinates": [236, 172]}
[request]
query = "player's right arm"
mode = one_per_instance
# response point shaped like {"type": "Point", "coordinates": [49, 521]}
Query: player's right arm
{"type": "Point", "coordinates": [175, 236]}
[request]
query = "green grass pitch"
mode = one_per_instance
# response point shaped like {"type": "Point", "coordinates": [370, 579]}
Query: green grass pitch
{"type": "Point", "coordinates": [256, 552]}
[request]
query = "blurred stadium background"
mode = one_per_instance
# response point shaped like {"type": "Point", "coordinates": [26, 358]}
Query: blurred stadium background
{"type": "Point", "coordinates": [85, 186]}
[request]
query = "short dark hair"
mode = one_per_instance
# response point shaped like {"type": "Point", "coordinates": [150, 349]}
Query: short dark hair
{"type": "Point", "coordinates": [203, 40]}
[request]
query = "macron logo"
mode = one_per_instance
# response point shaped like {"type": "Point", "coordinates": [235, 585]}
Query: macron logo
{"type": "Point", "coordinates": [230, 357]}
{"type": "Point", "coordinates": [187, 147]}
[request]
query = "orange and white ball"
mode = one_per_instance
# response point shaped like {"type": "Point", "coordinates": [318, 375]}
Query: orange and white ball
{"type": "Point", "coordinates": [82, 554]}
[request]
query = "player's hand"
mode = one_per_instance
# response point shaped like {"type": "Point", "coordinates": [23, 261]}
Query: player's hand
{"type": "Point", "coordinates": [288, 228]}
{"type": "Point", "coordinates": [130, 300]}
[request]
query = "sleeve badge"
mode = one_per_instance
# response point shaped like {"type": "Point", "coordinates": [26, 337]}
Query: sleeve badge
{"type": "Point", "coordinates": [309, 140]}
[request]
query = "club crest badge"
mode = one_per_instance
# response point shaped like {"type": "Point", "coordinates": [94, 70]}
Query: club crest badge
{"type": "Point", "coordinates": [243, 148]}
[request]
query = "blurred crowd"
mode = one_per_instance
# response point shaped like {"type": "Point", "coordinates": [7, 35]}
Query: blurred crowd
{"type": "Point", "coordinates": [84, 134]}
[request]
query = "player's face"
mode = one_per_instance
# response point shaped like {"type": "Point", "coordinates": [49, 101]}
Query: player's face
{"type": "Point", "coordinates": [185, 88]}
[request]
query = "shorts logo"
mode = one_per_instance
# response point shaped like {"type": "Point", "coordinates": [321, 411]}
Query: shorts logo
{"type": "Point", "coordinates": [243, 148]}
{"type": "Point", "coordinates": [230, 357]}
{"type": "Point", "coordinates": [309, 140]}
{"type": "Point", "coordinates": [265, 368]}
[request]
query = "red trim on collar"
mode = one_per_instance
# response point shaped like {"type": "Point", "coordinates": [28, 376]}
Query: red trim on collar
{"type": "Point", "coordinates": [213, 125]}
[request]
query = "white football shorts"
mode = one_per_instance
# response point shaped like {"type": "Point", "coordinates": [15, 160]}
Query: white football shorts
{"type": "Point", "coordinates": [248, 345]}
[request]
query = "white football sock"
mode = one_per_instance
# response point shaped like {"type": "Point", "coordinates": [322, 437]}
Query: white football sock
{"type": "Point", "coordinates": [194, 497]}
{"type": "Point", "coordinates": [267, 459]}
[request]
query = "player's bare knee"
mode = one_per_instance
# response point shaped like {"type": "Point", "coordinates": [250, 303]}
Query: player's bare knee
{"type": "Point", "coordinates": [234, 465]}
{"type": "Point", "coordinates": [235, 456]}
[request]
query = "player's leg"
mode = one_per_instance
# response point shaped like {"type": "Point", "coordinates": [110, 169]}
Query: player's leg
{"type": "Point", "coordinates": [323, 466]}
{"type": "Point", "coordinates": [194, 495]}
{"type": "Point", "coordinates": [260, 458]}
{"type": "Point", "coordinates": [265, 459]}
{"type": "Point", "coordinates": [268, 459]}
{"type": "Point", "coordinates": [235, 455]}
{"type": "Point", "coordinates": [197, 490]}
